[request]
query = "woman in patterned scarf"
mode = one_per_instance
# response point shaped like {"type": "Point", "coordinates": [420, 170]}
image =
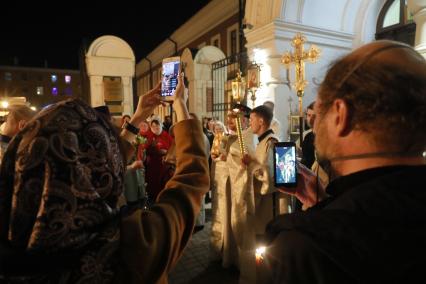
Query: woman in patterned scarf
{"type": "Point", "coordinates": [60, 183]}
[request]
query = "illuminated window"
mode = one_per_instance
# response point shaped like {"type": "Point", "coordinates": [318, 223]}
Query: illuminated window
{"type": "Point", "coordinates": [392, 16]}
{"type": "Point", "coordinates": [39, 91]}
{"type": "Point", "coordinates": [68, 79]}
{"type": "Point", "coordinates": [55, 91]}
{"type": "Point", "coordinates": [54, 78]}
{"type": "Point", "coordinates": [395, 22]}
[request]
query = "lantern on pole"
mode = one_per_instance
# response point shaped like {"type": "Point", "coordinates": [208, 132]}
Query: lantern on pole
{"type": "Point", "coordinates": [238, 94]}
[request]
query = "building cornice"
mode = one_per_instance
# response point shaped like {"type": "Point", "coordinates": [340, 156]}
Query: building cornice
{"type": "Point", "coordinates": [285, 31]}
{"type": "Point", "coordinates": [212, 15]}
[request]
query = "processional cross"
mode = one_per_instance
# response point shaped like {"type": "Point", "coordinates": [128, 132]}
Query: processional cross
{"type": "Point", "coordinates": [298, 58]}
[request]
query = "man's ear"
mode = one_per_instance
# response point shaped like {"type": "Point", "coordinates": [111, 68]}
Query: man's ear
{"type": "Point", "coordinates": [341, 118]}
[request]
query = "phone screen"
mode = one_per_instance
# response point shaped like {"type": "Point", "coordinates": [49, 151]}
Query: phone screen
{"type": "Point", "coordinates": [169, 79]}
{"type": "Point", "coordinates": [285, 173]}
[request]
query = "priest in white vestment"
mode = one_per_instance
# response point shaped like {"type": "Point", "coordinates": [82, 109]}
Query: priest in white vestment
{"type": "Point", "coordinates": [240, 181]}
{"type": "Point", "coordinates": [259, 196]}
{"type": "Point", "coordinates": [221, 187]}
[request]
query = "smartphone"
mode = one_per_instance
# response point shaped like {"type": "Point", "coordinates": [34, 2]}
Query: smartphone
{"type": "Point", "coordinates": [285, 172]}
{"type": "Point", "coordinates": [169, 78]}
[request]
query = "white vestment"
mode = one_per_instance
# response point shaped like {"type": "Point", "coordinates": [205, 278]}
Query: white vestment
{"type": "Point", "coordinates": [259, 205]}
{"type": "Point", "coordinates": [221, 231]}
{"type": "Point", "coordinates": [240, 181]}
{"type": "Point", "coordinates": [229, 205]}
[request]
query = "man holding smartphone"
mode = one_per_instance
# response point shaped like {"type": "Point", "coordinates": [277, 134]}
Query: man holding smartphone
{"type": "Point", "coordinates": [369, 225]}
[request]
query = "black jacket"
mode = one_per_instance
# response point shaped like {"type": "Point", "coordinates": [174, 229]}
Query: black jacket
{"type": "Point", "coordinates": [371, 230]}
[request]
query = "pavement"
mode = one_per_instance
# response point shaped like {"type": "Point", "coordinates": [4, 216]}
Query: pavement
{"type": "Point", "coordinates": [198, 263]}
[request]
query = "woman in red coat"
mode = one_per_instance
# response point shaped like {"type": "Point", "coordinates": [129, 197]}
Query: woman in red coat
{"type": "Point", "coordinates": [156, 146]}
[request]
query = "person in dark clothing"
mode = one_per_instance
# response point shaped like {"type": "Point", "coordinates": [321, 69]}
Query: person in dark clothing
{"type": "Point", "coordinates": [308, 148]}
{"type": "Point", "coordinates": [167, 123]}
{"type": "Point", "coordinates": [61, 183]}
{"type": "Point", "coordinates": [207, 131]}
{"type": "Point", "coordinates": [369, 225]}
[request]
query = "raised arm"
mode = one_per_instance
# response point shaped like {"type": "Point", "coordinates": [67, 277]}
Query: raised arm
{"type": "Point", "coordinates": [152, 241]}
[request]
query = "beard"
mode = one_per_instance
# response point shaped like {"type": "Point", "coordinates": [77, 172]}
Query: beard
{"type": "Point", "coordinates": [323, 146]}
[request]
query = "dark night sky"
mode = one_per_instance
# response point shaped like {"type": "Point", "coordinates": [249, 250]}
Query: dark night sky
{"type": "Point", "coordinates": [56, 32]}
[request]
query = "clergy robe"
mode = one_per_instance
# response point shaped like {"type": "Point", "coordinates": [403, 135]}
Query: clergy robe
{"type": "Point", "coordinates": [259, 197]}
{"type": "Point", "coordinates": [220, 208]}
{"type": "Point", "coordinates": [240, 186]}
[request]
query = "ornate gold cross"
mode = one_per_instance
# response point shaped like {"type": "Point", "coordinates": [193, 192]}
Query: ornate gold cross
{"type": "Point", "coordinates": [298, 58]}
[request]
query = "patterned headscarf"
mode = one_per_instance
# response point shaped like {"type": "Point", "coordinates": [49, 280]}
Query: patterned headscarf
{"type": "Point", "coordinates": [60, 181]}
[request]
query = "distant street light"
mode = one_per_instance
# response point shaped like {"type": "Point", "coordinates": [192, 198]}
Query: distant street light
{"type": "Point", "coordinates": [4, 104]}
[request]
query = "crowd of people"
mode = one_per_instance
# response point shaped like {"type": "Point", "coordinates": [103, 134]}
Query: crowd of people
{"type": "Point", "coordinates": [85, 200]}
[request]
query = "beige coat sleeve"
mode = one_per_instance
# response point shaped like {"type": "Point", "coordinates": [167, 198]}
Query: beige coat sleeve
{"type": "Point", "coordinates": [152, 241]}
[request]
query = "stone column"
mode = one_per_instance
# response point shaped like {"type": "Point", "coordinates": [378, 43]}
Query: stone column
{"type": "Point", "coordinates": [418, 8]}
{"type": "Point", "coordinates": [127, 95]}
{"type": "Point", "coordinates": [277, 91]}
{"type": "Point", "coordinates": [96, 91]}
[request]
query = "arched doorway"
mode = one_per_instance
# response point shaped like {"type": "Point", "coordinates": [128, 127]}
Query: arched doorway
{"type": "Point", "coordinates": [395, 22]}
{"type": "Point", "coordinates": [198, 70]}
{"type": "Point", "coordinates": [110, 65]}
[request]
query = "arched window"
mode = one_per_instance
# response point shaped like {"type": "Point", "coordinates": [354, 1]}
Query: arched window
{"type": "Point", "coordinates": [395, 22]}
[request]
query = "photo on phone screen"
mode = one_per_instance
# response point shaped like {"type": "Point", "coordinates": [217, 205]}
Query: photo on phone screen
{"type": "Point", "coordinates": [169, 79]}
{"type": "Point", "coordinates": [285, 173]}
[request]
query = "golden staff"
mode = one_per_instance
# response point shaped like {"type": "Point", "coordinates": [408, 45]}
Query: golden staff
{"type": "Point", "coordinates": [298, 58]}
{"type": "Point", "coordinates": [238, 93]}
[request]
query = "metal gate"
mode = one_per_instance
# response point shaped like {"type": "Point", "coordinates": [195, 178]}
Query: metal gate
{"type": "Point", "coordinates": [223, 72]}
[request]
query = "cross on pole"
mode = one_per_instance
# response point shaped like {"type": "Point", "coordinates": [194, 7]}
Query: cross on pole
{"type": "Point", "coordinates": [298, 58]}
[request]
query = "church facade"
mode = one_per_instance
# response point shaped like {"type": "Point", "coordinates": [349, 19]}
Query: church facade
{"type": "Point", "coordinates": [334, 26]}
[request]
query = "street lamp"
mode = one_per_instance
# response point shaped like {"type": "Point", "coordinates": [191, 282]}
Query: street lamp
{"type": "Point", "coordinates": [238, 94]}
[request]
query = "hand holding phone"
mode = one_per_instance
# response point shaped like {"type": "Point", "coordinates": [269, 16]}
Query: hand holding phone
{"type": "Point", "coordinates": [309, 189]}
{"type": "Point", "coordinates": [169, 78]}
{"type": "Point", "coordinates": [285, 171]}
